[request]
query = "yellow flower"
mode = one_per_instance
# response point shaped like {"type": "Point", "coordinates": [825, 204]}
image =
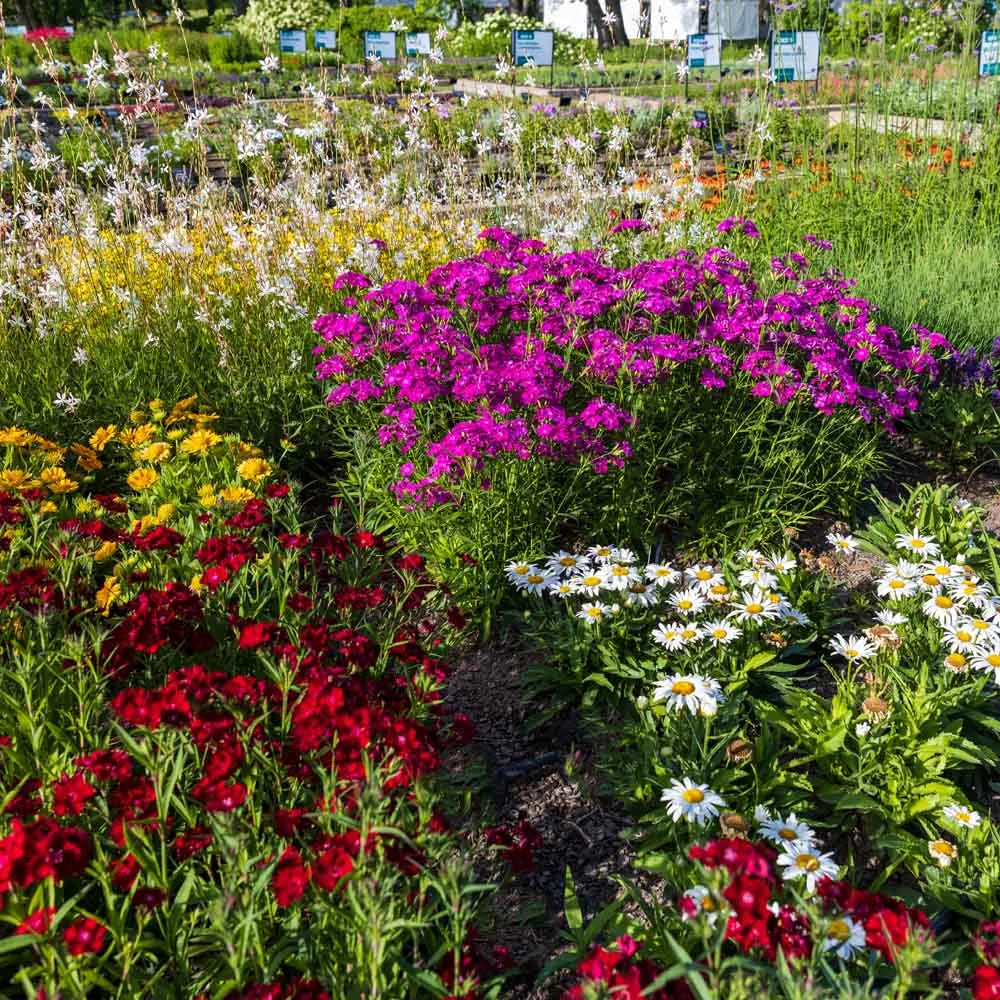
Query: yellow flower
{"type": "Point", "coordinates": [200, 419]}
{"type": "Point", "coordinates": [176, 434]}
{"type": "Point", "coordinates": [165, 512]}
{"type": "Point", "coordinates": [249, 450]}
{"type": "Point", "coordinates": [17, 479]}
{"type": "Point", "coordinates": [180, 410]}
{"type": "Point", "coordinates": [86, 457]}
{"type": "Point", "coordinates": [200, 442]}
{"type": "Point", "coordinates": [137, 416]}
{"type": "Point", "coordinates": [105, 552]}
{"type": "Point", "coordinates": [133, 437]}
{"type": "Point", "coordinates": [16, 436]}
{"type": "Point", "coordinates": [155, 452]}
{"type": "Point", "coordinates": [142, 478]}
{"type": "Point", "coordinates": [235, 494]}
{"type": "Point", "coordinates": [107, 595]}
{"type": "Point", "coordinates": [254, 469]}
{"type": "Point", "coordinates": [195, 583]}
{"type": "Point", "coordinates": [206, 495]}
{"type": "Point", "coordinates": [102, 437]}
{"type": "Point", "coordinates": [288, 444]}
{"type": "Point", "coordinates": [145, 522]}
{"type": "Point", "coordinates": [48, 507]}
{"type": "Point", "coordinates": [56, 480]}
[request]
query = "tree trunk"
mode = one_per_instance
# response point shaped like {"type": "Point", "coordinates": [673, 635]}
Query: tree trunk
{"type": "Point", "coordinates": [605, 40]}
{"type": "Point", "coordinates": [28, 14]}
{"type": "Point", "coordinates": [618, 32]}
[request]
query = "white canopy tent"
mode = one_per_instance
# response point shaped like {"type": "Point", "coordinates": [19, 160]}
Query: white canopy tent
{"type": "Point", "coordinates": [733, 19]}
{"type": "Point", "coordinates": [673, 20]}
{"type": "Point", "coordinates": [568, 16]}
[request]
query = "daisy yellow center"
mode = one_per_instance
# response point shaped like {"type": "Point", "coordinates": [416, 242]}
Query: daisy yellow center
{"type": "Point", "coordinates": [931, 580]}
{"type": "Point", "coordinates": [567, 561]}
{"type": "Point", "coordinates": [917, 543]}
{"type": "Point", "coordinates": [603, 553]}
{"type": "Point", "coordinates": [688, 633]}
{"type": "Point", "coordinates": [943, 847]}
{"type": "Point", "coordinates": [693, 795]}
{"type": "Point", "coordinates": [638, 588]}
{"type": "Point", "coordinates": [851, 653]}
{"type": "Point", "coordinates": [754, 608]}
{"type": "Point", "coordinates": [955, 660]}
{"type": "Point", "coordinates": [619, 571]}
{"type": "Point", "coordinates": [536, 579]}
{"type": "Point", "coordinates": [685, 605]}
{"type": "Point", "coordinates": [591, 581]}
{"type": "Point", "coordinates": [963, 817]}
{"type": "Point", "coordinates": [843, 544]}
{"type": "Point", "coordinates": [980, 625]}
{"type": "Point", "coordinates": [594, 612]}
{"type": "Point", "coordinates": [963, 636]}
{"type": "Point", "coordinates": [521, 570]}
{"type": "Point", "coordinates": [663, 573]}
{"type": "Point", "coordinates": [897, 584]}
{"type": "Point", "coordinates": [787, 833]}
{"type": "Point", "coordinates": [703, 574]}
{"type": "Point", "coordinates": [719, 633]}
{"type": "Point", "coordinates": [683, 688]}
{"type": "Point", "coordinates": [969, 588]}
{"type": "Point", "coordinates": [993, 659]}
{"type": "Point", "coordinates": [720, 588]}
{"type": "Point", "coordinates": [707, 904]}
{"type": "Point", "coordinates": [807, 862]}
{"type": "Point", "coordinates": [838, 930]}
{"type": "Point", "coordinates": [941, 601]}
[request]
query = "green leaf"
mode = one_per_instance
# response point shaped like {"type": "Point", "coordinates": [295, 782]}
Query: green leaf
{"type": "Point", "coordinates": [759, 660]}
{"type": "Point", "coordinates": [571, 905]}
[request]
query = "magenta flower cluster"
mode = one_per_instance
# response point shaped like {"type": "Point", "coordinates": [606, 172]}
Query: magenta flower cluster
{"type": "Point", "coordinates": [537, 355]}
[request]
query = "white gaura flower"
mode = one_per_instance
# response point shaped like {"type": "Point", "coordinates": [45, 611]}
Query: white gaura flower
{"type": "Point", "coordinates": [565, 563]}
{"type": "Point", "coordinates": [801, 859]}
{"type": "Point", "coordinates": [757, 578]}
{"type": "Point", "coordinates": [692, 802]}
{"type": "Point", "coordinates": [702, 578]}
{"type": "Point", "coordinates": [662, 574]}
{"type": "Point", "coordinates": [687, 602]}
{"type": "Point", "coordinates": [698, 902]}
{"type": "Point", "coordinates": [784, 832]}
{"type": "Point", "coordinates": [690, 691]}
{"type": "Point", "coordinates": [754, 606]}
{"type": "Point", "coordinates": [844, 937]}
{"type": "Point", "coordinates": [843, 544]}
{"type": "Point", "coordinates": [943, 852]}
{"type": "Point", "coordinates": [963, 816]}
{"type": "Point", "coordinates": [854, 647]}
{"type": "Point", "coordinates": [923, 546]}
{"type": "Point", "coordinates": [720, 633]}
{"type": "Point", "coordinates": [589, 583]}
{"type": "Point", "coordinates": [942, 608]}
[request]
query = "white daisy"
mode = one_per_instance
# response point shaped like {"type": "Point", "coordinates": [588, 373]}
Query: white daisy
{"type": "Point", "coordinates": [786, 831]}
{"type": "Point", "coordinates": [662, 574]}
{"type": "Point", "coordinates": [781, 564]}
{"type": "Point", "coordinates": [719, 593]}
{"type": "Point", "coordinates": [757, 577]}
{"type": "Point", "coordinates": [601, 553]}
{"type": "Point", "coordinates": [623, 556]}
{"type": "Point", "coordinates": [922, 545]}
{"type": "Point", "coordinates": [687, 602]}
{"type": "Point", "coordinates": [687, 800]}
{"type": "Point", "coordinates": [536, 581]}
{"type": "Point", "coordinates": [700, 903]}
{"type": "Point", "coordinates": [930, 582]}
{"type": "Point", "coordinates": [679, 691]}
{"type": "Point", "coordinates": [753, 606]}
{"type": "Point", "coordinates": [961, 636]}
{"type": "Point", "coordinates": [619, 576]}
{"type": "Point", "coordinates": [565, 563]}
{"type": "Point", "coordinates": [640, 595]}
{"type": "Point", "coordinates": [854, 647]}
{"type": "Point", "coordinates": [801, 859]}
{"type": "Point", "coordinates": [895, 587]}
{"type": "Point", "coordinates": [789, 614]}
{"type": "Point", "coordinates": [962, 816]}
{"type": "Point", "coordinates": [593, 613]}
{"type": "Point", "coordinates": [752, 556]}
{"type": "Point", "coordinates": [844, 544]}
{"type": "Point", "coordinates": [702, 578]}
{"type": "Point", "coordinates": [844, 937]}
{"type": "Point", "coordinates": [517, 571]}
{"type": "Point", "coordinates": [562, 588]}
{"type": "Point", "coordinates": [943, 852]}
{"type": "Point", "coordinates": [987, 659]}
{"type": "Point", "coordinates": [942, 608]}
{"type": "Point", "coordinates": [590, 583]}
{"type": "Point", "coordinates": [890, 618]}
{"type": "Point", "coordinates": [720, 633]}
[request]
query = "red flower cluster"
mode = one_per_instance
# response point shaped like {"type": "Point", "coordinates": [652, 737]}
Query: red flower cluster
{"type": "Point", "coordinates": [518, 844]}
{"type": "Point", "coordinates": [623, 976]}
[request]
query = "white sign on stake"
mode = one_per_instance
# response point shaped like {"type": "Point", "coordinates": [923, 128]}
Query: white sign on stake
{"type": "Point", "coordinates": [291, 40]}
{"type": "Point", "coordinates": [418, 43]}
{"type": "Point", "coordinates": [704, 51]}
{"type": "Point", "coordinates": [380, 45]}
{"type": "Point", "coordinates": [532, 46]}
{"type": "Point", "coordinates": [794, 56]}
{"type": "Point", "coordinates": [324, 39]}
{"type": "Point", "coordinates": [989, 53]}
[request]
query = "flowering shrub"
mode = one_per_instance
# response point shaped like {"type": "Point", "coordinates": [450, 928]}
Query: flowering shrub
{"type": "Point", "coordinates": [219, 722]}
{"type": "Point", "coordinates": [532, 376]}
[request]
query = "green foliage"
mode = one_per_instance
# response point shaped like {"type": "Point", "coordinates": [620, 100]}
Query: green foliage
{"type": "Point", "coordinates": [491, 37]}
